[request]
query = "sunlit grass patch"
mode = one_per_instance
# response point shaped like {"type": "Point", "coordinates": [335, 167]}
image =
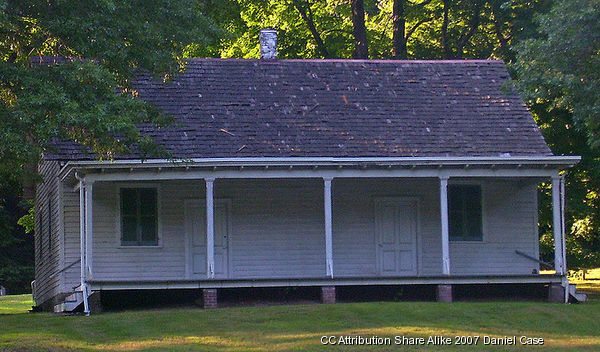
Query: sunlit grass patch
{"type": "Point", "coordinates": [300, 327]}
{"type": "Point", "coordinates": [14, 304]}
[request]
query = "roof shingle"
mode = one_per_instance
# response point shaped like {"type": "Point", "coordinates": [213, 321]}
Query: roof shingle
{"type": "Point", "coordinates": [338, 108]}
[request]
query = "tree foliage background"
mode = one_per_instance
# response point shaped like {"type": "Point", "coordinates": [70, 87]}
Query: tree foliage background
{"type": "Point", "coordinates": [87, 98]}
{"type": "Point", "coordinates": [559, 73]}
{"type": "Point", "coordinates": [551, 46]}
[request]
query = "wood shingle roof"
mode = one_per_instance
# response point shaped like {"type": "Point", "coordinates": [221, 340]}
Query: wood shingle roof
{"type": "Point", "coordinates": [339, 108]}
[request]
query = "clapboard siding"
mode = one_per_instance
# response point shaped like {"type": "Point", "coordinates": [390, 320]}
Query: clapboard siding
{"type": "Point", "coordinates": [48, 254]}
{"type": "Point", "coordinates": [277, 229]}
{"type": "Point", "coordinates": [354, 242]}
{"type": "Point", "coordinates": [70, 201]}
{"type": "Point", "coordinates": [166, 261]}
{"type": "Point", "coordinates": [509, 224]}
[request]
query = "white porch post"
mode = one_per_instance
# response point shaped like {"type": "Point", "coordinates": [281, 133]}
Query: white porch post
{"type": "Point", "coordinates": [82, 248]}
{"type": "Point", "coordinates": [565, 281]}
{"type": "Point", "coordinates": [328, 226]}
{"type": "Point", "coordinates": [210, 228]}
{"type": "Point", "coordinates": [557, 225]}
{"type": "Point", "coordinates": [445, 226]}
{"type": "Point", "coordinates": [89, 228]}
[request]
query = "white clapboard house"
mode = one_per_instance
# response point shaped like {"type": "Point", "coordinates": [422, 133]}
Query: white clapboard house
{"type": "Point", "coordinates": [322, 173]}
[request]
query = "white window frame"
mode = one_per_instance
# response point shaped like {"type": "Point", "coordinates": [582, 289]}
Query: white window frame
{"type": "Point", "coordinates": [482, 186]}
{"type": "Point", "coordinates": [117, 195]}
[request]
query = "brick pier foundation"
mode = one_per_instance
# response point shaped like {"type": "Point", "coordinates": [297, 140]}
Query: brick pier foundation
{"type": "Point", "coordinates": [95, 302]}
{"type": "Point", "coordinates": [209, 298]}
{"type": "Point", "coordinates": [328, 294]}
{"type": "Point", "coordinates": [444, 293]}
{"type": "Point", "coordinates": [556, 293]}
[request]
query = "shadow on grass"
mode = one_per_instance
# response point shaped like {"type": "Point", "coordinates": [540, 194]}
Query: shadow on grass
{"type": "Point", "coordinates": [300, 327]}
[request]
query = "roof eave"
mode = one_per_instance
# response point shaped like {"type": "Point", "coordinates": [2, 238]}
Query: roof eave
{"type": "Point", "coordinates": [551, 162]}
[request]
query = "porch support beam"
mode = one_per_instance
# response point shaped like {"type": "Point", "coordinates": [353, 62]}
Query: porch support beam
{"type": "Point", "coordinates": [328, 227]}
{"type": "Point", "coordinates": [82, 246]}
{"type": "Point", "coordinates": [210, 228]}
{"type": "Point", "coordinates": [89, 229]}
{"type": "Point", "coordinates": [557, 224]}
{"type": "Point", "coordinates": [444, 225]}
{"type": "Point", "coordinates": [85, 233]}
{"type": "Point", "coordinates": [316, 173]}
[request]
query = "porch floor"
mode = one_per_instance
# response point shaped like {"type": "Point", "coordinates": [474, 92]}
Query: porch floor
{"type": "Point", "coordinates": [324, 281]}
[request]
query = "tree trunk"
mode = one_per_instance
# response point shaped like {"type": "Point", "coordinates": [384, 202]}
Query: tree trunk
{"type": "Point", "coordinates": [447, 51]}
{"type": "Point", "coordinates": [310, 23]}
{"type": "Point", "coordinates": [463, 38]}
{"type": "Point", "coordinates": [361, 50]}
{"type": "Point", "coordinates": [399, 30]}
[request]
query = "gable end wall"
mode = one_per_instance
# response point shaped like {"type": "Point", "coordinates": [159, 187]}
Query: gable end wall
{"type": "Point", "coordinates": [48, 233]}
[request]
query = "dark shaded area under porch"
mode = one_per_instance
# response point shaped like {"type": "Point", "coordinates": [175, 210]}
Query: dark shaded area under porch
{"type": "Point", "coordinates": [114, 300]}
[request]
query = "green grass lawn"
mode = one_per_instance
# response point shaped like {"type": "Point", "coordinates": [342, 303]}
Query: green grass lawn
{"type": "Point", "coordinates": [299, 327]}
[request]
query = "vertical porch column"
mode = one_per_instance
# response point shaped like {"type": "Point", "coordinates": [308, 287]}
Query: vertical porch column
{"type": "Point", "coordinates": [82, 248]}
{"type": "Point", "coordinates": [445, 226]}
{"type": "Point", "coordinates": [557, 225]}
{"type": "Point", "coordinates": [210, 228]}
{"type": "Point", "coordinates": [89, 228]}
{"type": "Point", "coordinates": [328, 226]}
{"type": "Point", "coordinates": [565, 280]}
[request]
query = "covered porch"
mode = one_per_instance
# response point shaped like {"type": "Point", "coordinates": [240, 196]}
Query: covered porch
{"type": "Point", "coordinates": [307, 223]}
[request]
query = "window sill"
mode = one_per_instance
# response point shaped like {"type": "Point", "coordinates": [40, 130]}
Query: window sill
{"type": "Point", "coordinates": [468, 242]}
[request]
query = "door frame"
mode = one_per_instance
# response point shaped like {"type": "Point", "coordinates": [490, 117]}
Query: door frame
{"type": "Point", "coordinates": [188, 238]}
{"type": "Point", "coordinates": [398, 199]}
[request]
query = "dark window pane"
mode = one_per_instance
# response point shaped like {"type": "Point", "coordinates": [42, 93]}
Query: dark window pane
{"type": "Point", "coordinates": [455, 212]}
{"type": "Point", "coordinates": [138, 216]}
{"type": "Point", "coordinates": [148, 226]}
{"type": "Point", "coordinates": [473, 213]}
{"type": "Point", "coordinates": [129, 229]}
{"type": "Point", "coordinates": [147, 201]}
{"type": "Point", "coordinates": [464, 211]}
{"type": "Point", "coordinates": [128, 201]}
{"type": "Point", "coordinates": [455, 225]}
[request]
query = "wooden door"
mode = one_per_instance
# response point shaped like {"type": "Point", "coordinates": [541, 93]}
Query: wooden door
{"type": "Point", "coordinates": [396, 236]}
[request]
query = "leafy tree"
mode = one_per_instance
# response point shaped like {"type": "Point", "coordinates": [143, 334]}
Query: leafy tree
{"type": "Point", "coordinates": [401, 14]}
{"type": "Point", "coordinates": [401, 29]}
{"type": "Point", "coordinates": [559, 75]}
{"type": "Point", "coordinates": [87, 96]}
{"type": "Point", "coordinates": [27, 221]}
{"type": "Point", "coordinates": [306, 28]}
{"type": "Point", "coordinates": [16, 247]}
